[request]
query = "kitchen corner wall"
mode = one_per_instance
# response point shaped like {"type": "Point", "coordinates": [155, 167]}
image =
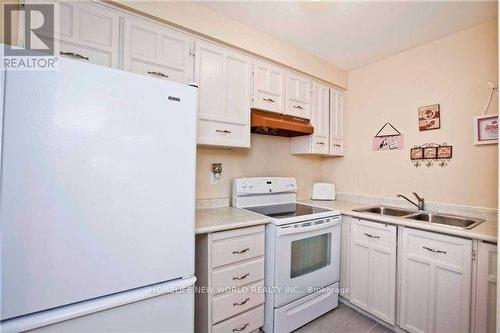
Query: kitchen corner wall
{"type": "Point", "coordinates": [454, 72]}
{"type": "Point", "coordinates": [269, 156]}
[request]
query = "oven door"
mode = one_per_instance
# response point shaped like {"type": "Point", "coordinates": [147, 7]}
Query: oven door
{"type": "Point", "coordinates": [307, 258]}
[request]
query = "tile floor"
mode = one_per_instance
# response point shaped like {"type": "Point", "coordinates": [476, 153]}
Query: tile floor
{"type": "Point", "coordinates": [343, 319]}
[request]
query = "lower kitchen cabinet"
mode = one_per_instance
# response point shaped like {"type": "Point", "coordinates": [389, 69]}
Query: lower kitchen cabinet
{"type": "Point", "coordinates": [230, 273]}
{"type": "Point", "coordinates": [486, 289]}
{"type": "Point", "coordinates": [435, 282]}
{"type": "Point", "coordinates": [373, 268]}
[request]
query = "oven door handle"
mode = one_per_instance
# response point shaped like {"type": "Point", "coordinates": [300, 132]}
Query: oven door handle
{"type": "Point", "coordinates": [291, 230]}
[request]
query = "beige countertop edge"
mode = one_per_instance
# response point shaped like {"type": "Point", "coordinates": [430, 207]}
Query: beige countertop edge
{"type": "Point", "coordinates": [486, 231]}
{"type": "Point", "coordinates": [226, 218]}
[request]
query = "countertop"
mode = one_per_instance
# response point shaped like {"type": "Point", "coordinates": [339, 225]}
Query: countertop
{"type": "Point", "coordinates": [226, 218]}
{"type": "Point", "coordinates": [486, 231]}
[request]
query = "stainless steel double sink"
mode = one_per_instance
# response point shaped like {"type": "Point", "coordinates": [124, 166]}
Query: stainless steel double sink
{"type": "Point", "coordinates": [453, 221]}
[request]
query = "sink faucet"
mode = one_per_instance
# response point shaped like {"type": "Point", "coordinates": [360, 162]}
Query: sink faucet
{"type": "Point", "coordinates": [419, 205]}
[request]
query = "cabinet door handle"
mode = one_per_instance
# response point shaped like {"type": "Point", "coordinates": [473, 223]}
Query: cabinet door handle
{"type": "Point", "coordinates": [270, 100]}
{"type": "Point", "coordinates": [337, 145]}
{"type": "Point", "coordinates": [223, 131]}
{"type": "Point", "coordinates": [74, 55]}
{"type": "Point", "coordinates": [241, 277]}
{"type": "Point", "coordinates": [241, 328]}
{"type": "Point", "coordinates": [320, 143]}
{"type": "Point", "coordinates": [433, 250]}
{"type": "Point", "coordinates": [242, 303]}
{"type": "Point", "coordinates": [241, 251]}
{"type": "Point", "coordinates": [372, 236]}
{"type": "Point", "coordinates": [298, 107]}
{"type": "Point", "coordinates": [159, 74]}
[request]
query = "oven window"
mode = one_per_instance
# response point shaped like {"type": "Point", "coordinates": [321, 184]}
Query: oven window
{"type": "Point", "coordinates": [310, 254]}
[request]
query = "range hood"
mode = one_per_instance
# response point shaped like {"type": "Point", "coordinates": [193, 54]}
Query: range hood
{"type": "Point", "coordinates": [270, 123]}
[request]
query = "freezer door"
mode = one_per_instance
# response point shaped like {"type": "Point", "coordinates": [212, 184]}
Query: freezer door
{"type": "Point", "coordinates": [97, 187]}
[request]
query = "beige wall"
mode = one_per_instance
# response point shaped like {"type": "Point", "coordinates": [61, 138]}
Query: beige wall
{"type": "Point", "coordinates": [453, 72]}
{"type": "Point", "coordinates": [269, 156]}
{"type": "Point", "coordinates": [203, 20]}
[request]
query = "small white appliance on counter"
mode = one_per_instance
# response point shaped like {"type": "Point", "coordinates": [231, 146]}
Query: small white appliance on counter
{"type": "Point", "coordinates": [302, 252]}
{"type": "Point", "coordinates": [323, 191]}
{"type": "Point", "coordinates": [97, 201]}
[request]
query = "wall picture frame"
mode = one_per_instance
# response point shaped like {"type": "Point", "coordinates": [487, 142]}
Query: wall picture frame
{"type": "Point", "coordinates": [429, 117]}
{"type": "Point", "coordinates": [444, 152]}
{"type": "Point", "coordinates": [416, 153]}
{"type": "Point", "coordinates": [430, 152]}
{"type": "Point", "coordinates": [485, 129]}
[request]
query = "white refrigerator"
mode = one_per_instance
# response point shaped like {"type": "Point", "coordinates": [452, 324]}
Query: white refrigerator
{"type": "Point", "coordinates": [97, 201]}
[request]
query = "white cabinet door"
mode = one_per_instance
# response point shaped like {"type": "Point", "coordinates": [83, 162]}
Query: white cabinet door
{"type": "Point", "coordinates": [154, 49]}
{"type": "Point", "coordinates": [268, 87]}
{"type": "Point", "coordinates": [486, 288]}
{"type": "Point", "coordinates": [435, 282]}
{"type": "Point", "coordinates": [88, 31]}
{"type": "Point", "coordinates": [373, 272]}
{"type": "Point", "coordinates": [317, 143]}
{"type": "Point", "coordinates": [224, 78]}
{"type": "Point", "coordinates": [336, 122]}
{"type": "Point", "coordinates": [298, 95]}
{"type": "Point", "coordinates": [320, 118]}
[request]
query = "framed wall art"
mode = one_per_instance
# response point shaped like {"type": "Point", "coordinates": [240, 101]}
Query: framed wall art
{"type": "Point", "coordinates": [429, 117]}
{"type": "Point", "coordinates": [486, 129]}
{"type": "Point", "coordinates": [388, 138]}
{"type": "Point", "coordinates": [429, 153]}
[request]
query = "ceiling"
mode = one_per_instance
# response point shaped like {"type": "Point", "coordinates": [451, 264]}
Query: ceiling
{"type": "Point", "coordinates": [354, 34]}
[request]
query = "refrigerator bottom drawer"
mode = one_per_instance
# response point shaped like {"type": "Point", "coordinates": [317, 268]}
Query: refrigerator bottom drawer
{"type": "Point", "coordinates": [167, 313]}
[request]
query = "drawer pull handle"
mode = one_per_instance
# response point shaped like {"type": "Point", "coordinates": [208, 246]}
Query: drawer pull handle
{"type": "Point", "coordinates": [242, 303]}
{"type": "Point", "coordinates": [270, 100]}
{"type": "Point", "coordinates": [74, 55]}
{"type": "Point", "coordinates": [223, 131]}
{"type": "Point", "coordinates": [241, 251]}
{"type": "Point", "coordinates": [241, 277]}
{"type": "Point", "coordinates": [336, 145]}
{"type": "Point", "coordinates": [432, 250]}
{"type": "Point", "coordinates": [241, 328]}
{"type": "Point", "coordinates": [298, 107]}
{"type": "Point", "coordinates": [372, 236]}
{"type": "Point", "coordinates": [160, 74]}
{"type": "Point", "coordinates": [320, 143]}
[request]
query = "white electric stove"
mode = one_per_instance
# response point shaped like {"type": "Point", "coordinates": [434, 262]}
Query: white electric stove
{"type": "Point", "coordinates": [302, 252]}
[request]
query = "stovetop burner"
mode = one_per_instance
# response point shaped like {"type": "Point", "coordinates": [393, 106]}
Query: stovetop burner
{"type": "Point", "coordinates": [283, 211]}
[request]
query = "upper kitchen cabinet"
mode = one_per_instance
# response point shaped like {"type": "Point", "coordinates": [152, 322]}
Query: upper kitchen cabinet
{"type": "Point", "coordinates": [154, 49]}
{"type": "Point", "coordinates": [298, 95]}
{"type": "Point", "coordinates": [224, 95]}
{"type": "Point", "coordinates": [268, 87]}
{"type": "Point", "coordinates": [317, 143]}
{"type": "Point", "coordinates": [88, 31]}
{"type": "Point", "coordinates": [336, 122]}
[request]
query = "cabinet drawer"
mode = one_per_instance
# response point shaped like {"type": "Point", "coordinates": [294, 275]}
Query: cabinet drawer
{"type": "Point", "coordinates": [238, 275]}
{"type": "Point", "coordinates": [268, 102]}
{"type": "Point", "coordinates": [242, 299]}
{"type": "Point", "coordinates": [436, 247]}
{"type": "Point", "coordinates": [217, 133]}
{"type": "Point", "coordinates": [376, 234]}
{"type": "Point", "coordinates": [336, 147]}
{"type": "Point", "coordinates": [161, 72]}
{"type": "Point", "coordinates": [298, 109]}
{"type": "Point", "coordinates": [237, 249]}
{"type": "Point", "coordinates": [319, 145]}
{"type": "Point", "coordinates": [94, 56]}
{"type": "Point", "coordinates": [244, 323]}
